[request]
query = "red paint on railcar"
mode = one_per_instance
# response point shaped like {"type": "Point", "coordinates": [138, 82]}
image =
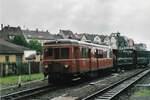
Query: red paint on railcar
{"type": "Point", "coordinates": [79, 57]}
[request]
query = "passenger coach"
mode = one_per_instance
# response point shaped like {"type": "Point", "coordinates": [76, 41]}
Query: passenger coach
{"type": "Point", "coordinates": [67, 59]}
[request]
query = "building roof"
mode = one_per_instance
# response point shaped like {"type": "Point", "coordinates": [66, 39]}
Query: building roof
{"type": "Point", "coordinates": [57, 36]}
{"type": "Point", "coordinates": [10, 48]}
{"type": "Point", "coordinates": [67, 34]}
{"type": "Point", "coordinates": [92, 36]}
{"type": "Point", "coordinates": [42, 35]}
{"type": "Point", "coordinates": [88, 36]}
{"type": "Point", "coordinates": [7, 31]}
{"type": "Point", "coordinates": [11, 29]}
{"type": "Point", "coordinates": [103, 37]}
{"type": "Point", "coordinates": [140, 46]}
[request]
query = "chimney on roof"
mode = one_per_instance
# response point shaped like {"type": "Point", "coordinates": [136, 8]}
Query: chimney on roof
{"type": "Point", "coordinates": [118, 33]}
{"type": "Point", "coordinates": [36, 29]}
{"type": "Point", "coordinates": [19, 26]}
{"type": "Point", "coordinates": [1, 26]}
{"type": "Point", "coordinates": [60, 31]}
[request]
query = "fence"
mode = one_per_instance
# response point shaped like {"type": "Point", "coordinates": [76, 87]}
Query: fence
{"type": "Point", "coordinates": [7, 69]}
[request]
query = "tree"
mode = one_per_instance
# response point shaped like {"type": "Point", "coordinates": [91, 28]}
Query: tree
{"type": "Point", "coordinates": [35, 45]}
{"type": "Point", "coordinates": [19, 41]}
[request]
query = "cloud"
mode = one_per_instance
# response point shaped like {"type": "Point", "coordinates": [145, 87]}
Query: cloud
{"type": "Point", "coordinates": [130, 17]}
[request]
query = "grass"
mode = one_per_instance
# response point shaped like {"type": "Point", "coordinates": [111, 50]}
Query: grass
{"type": "Point", "coordinates": [24, 78]}
{"type": "Point", "coordinates": [144, 92]}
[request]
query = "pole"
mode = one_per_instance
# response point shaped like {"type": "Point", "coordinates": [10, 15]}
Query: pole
{"type": "Point", "coordinates": [29, 70]}
{"type": "Point", "coordinates": [19, 81]}
{"type": "Point", "coordinates": [40, 67]}
{"type": "Point", "coordinates": [19, 65]}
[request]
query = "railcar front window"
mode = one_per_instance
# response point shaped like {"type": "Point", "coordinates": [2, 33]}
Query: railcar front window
{"type": "Point", "coordinates": [56, 53]}
{"type": "Point", "coordinates": [65, 53]}
{"type": "Point", "coordinates": [50, 51]}
{"type": "Point", "coordinates": [61, 53]}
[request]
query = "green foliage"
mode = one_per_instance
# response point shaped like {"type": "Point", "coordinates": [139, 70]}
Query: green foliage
{"type": "Point", "coordinates": [35, 45]}
{"type": "Point", "coordinates": [24, 78]}
{"type": "Point", "coordinates": [144, 92]}
{"type": "Point", "coordinates": [19, 41]}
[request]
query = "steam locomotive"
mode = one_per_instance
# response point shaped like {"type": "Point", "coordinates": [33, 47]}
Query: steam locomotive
{"type": "Point", "coordinates": [67, 59]}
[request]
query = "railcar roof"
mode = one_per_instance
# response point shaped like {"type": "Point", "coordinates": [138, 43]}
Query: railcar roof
{"type": "Point", "coordinates": [71, 41]}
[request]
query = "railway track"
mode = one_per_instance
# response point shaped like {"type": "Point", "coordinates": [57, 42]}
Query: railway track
{"type": "Point", "coordinates": [16, 85]}
{"type": "Point", "coordinates": [27, 93]}
{"type": "Point", "coordinates": [106, 93]}
{"type": "Point", "coordinates": [24, 85]}
{"type": "Point", "coordinates": [112, 91]}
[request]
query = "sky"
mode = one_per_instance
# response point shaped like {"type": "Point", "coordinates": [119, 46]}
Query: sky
{"type": "Point", "coordinates": [129, 17]}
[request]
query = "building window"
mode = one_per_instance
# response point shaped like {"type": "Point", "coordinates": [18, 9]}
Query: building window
{"type": "Point", "coordinates": [7, 58]}
{"type": "Point", "coordinates": [18, 59]}
{"type": "Point", "coordinates": [29, 36]}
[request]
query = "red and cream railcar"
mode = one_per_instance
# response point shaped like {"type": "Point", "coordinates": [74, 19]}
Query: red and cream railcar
{"type": "Point", "coordinates": [67, 59]}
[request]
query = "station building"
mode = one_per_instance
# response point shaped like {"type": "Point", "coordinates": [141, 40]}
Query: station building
{"type": "Point", "coordinates": [11, 57]}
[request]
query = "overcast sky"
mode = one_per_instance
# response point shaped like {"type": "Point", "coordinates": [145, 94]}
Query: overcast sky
{"type": "Point", "coordinates": [129, 17]}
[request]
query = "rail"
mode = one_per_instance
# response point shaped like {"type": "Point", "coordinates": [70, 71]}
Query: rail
{"type": "Point", "coordinates": [115, 89]}
{"type": "Point", "coordinates": [27, 93]}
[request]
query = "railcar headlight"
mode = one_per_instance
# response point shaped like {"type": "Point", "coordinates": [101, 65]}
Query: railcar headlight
{"type": "Point", "coordinates": [46, 66]}
{"type": "Point", "coordinates": [66, 66]}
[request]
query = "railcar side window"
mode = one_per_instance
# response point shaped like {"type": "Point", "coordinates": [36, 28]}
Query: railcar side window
{"type": "Point", "coordinates": [105, 54]}
{"type": "Point", "coordinates": [110, 53]}
{"type": "Point", "coordinates": [65, 53]}
{"type": "Point", "coordinates": [96, 53]}
{"type": "Point", "coordinates": [99, 54]}
{"type": "Point", "coordinates": [84, 53]}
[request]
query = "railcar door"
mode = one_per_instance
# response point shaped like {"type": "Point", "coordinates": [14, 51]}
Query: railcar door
{"type": "Point", "coordinates": [76, 54]}
{"type": "Point", "coordinates": [89, 57]}
{"type": "Point", "coordinates": [115, 59]}
{"type": "Point", "coordinates": [134, 57]}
